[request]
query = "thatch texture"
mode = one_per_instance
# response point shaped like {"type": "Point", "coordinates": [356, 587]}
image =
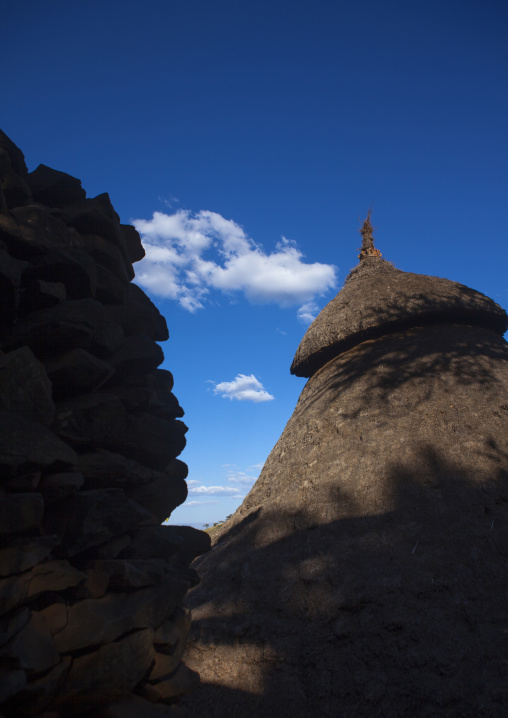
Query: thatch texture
{"type": "Point", "coordinates": [378, 298]}
{"type": "Point", "coordinates": [366, 572]}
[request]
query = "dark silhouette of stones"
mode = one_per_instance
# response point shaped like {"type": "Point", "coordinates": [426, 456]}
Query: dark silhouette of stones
{"type": "Point", "coordinates": [67, 326]}
{"type": "Point", "coordinates": [73, 268]}
{"type": "Point", "coordinates": [365, 572]}
{"type": "Point", "coordinates": [40, 294]}
{"type": "Point", "coordinates": [33, 230]}
{"type": "Point", "coordinates": [108, 337]}
{"type": "Point", "coordinates": [139, 315]}
{"type": "Point", "coordinates": [132, 242]}
{"type": "Point", "coordinates": [32, 649]}
{"type": "Point", "coordinates": [16, 156]}
{"type": "Point", "coordinates": [20, 513]}
{"type": "Point", "coordinates": [105, 469]}
{"type": "Point", "coordinates": [86, 519]}
{"type": "Point", "coordinates": [97, 216]}
{"type": "Point", "coordinates": [23, 553]}
{"type": "Point", "coordinates": [91, 420]}
{"type": "Point", "coordinates": [106, 255]}
{"type": "Point", "coordinates": [76, 372]}
{"type": "Point", "coordinates": [109, 289]}
{"type": "Point", "coordinates": [25, 444]}
{"type": "Point", "coordinates": [163, 494]}
{"type": "Point", "coordinates": [54, 188]}
{"type": "Point", "coordinates": [11, 271]}
{"type": "Point", "coordinates": [88, 440]}
{"type": "Point", "coordinates": [126, 575]}
{"type": "Point", "coordinates": [144, 437]}
{"type": "Point", "coordinates": [12, 625]}
{"type": "Point", "coordinates": [14, 189]}
{"type": "Point", "coordinates": [25, 387]}
{"type": "Point", "coordinates": [154, 542]}
{"type": "Point", "coordinates": [138, 355]}
{"type": "Point", "coordinates": [55, 487]}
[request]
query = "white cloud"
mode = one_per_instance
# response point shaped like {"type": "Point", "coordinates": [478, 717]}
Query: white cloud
{"type": "Point", "coordinates": [210, 490]}
{"type": "Point", "coordinates": [244, 478]}
{"type": "Point", "coordinates": [186, 504]}
{"type": "Point", "coordinates": [307, 312]}
{"type": "Point", "coordinates": [243, 388]}
{"type": "Point", "coordinates": [188, 255]}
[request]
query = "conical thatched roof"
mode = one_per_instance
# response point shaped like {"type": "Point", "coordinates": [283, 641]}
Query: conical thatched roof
{"type": "Point", "coordinates": [377, 298]}
{"type": "Point", "coordinates": [365, 574]}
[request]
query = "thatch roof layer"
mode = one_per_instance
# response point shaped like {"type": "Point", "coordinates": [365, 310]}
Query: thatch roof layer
{"type": "Point", "coordinates": [378, 299]}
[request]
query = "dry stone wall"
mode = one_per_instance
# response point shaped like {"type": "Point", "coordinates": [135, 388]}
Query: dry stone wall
{"type": "Point", "coordinates": [91, 585]}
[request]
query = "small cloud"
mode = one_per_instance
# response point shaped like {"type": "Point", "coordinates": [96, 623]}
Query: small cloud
{"type": "Point", "coordinates": [307, 312]}
{"type": "Point", "coordinates": [243, 388]}
{"type": "Point", "coordinates": [197, 503]}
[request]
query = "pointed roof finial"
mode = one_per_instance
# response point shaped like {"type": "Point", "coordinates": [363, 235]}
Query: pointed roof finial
{"type": "Point", "coordinates": [368, 249]}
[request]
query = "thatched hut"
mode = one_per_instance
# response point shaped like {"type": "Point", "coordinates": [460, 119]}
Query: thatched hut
{"type": "Point", "coordinates": [366, 573]}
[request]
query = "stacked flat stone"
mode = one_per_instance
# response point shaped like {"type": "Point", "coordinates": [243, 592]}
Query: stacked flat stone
{"type": "Point", "coordinates": [366, 573]}
{"type": "Point", "coordinates": [91, 584]}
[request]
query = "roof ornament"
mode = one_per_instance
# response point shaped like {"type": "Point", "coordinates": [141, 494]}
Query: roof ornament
{"type": "Point", "coordinates": [368, 249]}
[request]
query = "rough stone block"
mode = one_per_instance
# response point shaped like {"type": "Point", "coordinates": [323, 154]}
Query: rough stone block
{"type": "Point", "coordinates": [138, 355]}
{"type": "Point", "coordinates": [25, 387]}
{"type": "Point", "coordinates": [73, 268]}
{"type": "Point", "coordinates": [125, 575]}
{"type": "Point", "coordinates": [33, 230]}
{"type": "Point", "coordinates": [20, 513]}
{"type": "Point", "coordinates": [58, 329]}
{"type": "Point", "coordinates": [139, 315]}
{"type": "Point", "coordinates": [76, 372]}
{"type": "Point", "coordinates": [173, 630]}
{"type": "Point", "coordinates": [133, 246]}
{"type": "Point", "coordinates": [26, 444]}
{"type": "Point", "coordinates": [162, 495]}
{"type": "Point", "coordinates": [182, 681]}
{"type": "Point", "coordinates": [153, 542]}
{"type": "Point", "coordinates": [54, 188]}
{"type": "Point", "coordinates": [23, 553]}
{"type": "Point", "coordinates": [39, 692]}
{"type": "Point", "coordinates": [56, 487]}
{"type": "Point", "coordinates": [12, 624]}
{"type": "Point", "coordinates": [98, 621]}
{"type": "Point", "coordinates": [106, 674]}
{"type": "Point", "coordinates": [49, 576]}
{"type": "Point", "coordinates": [12, 683]}
{"type": "Point", "coordinates": [32, 649]}
{"type": "Point", "coordinates": [91, 518]}
{"type": "Point", "coordinates": [150, 440]}
{"type": "Point", "coordinates": [92, 420]}
{"type": "Point", "coordinates": [106, 255]}
{"type": "Point", "coordinates": [39, 294]}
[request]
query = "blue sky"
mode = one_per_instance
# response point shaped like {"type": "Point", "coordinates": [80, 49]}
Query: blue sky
{"type": "Point", "coordinates": [247, 140]}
